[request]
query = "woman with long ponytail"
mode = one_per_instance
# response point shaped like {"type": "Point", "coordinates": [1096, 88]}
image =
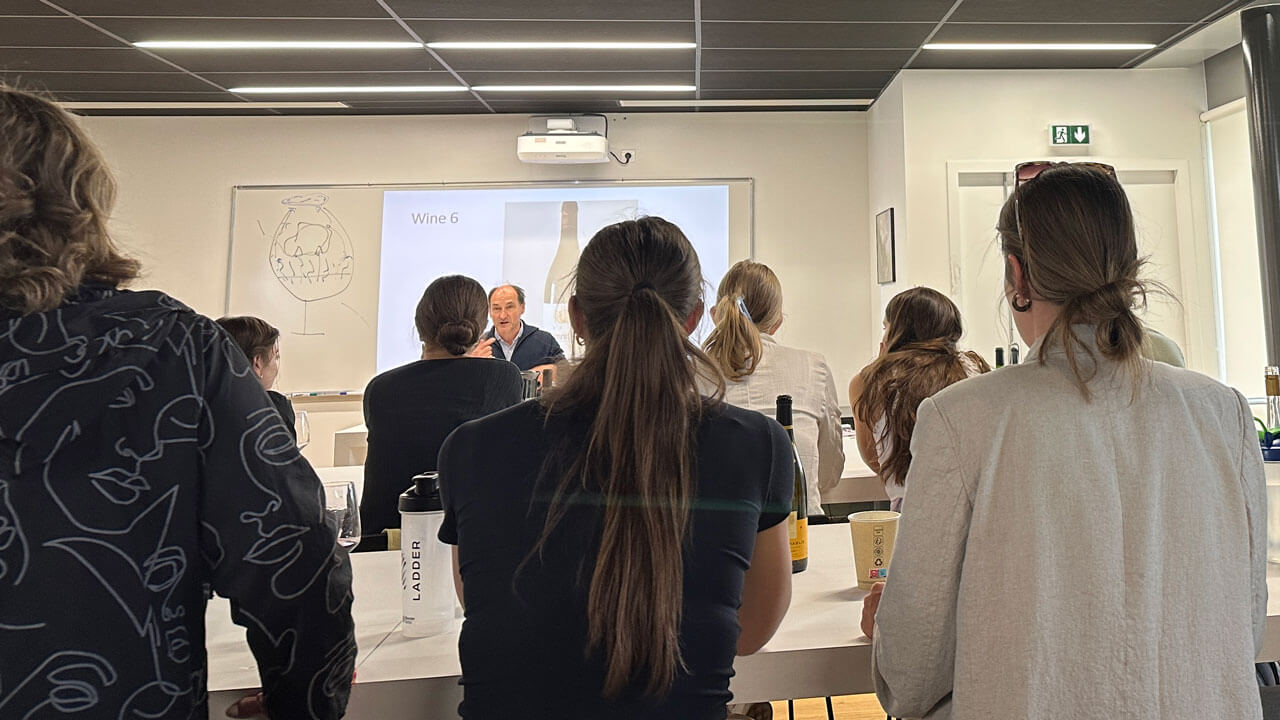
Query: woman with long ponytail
{"type": "Point", "coordinates": [757, 369]}
{"type": "Point", "coordinates": [612, 538]}
{"type": "Point", "coordinates": [1087, 519]}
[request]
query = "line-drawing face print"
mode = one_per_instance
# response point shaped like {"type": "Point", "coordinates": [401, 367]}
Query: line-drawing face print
{"type": "Point", "coordinates": [311, 254]}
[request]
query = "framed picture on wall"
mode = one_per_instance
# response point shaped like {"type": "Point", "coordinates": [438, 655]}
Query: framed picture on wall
{"type": "Point", "coordinates": [886, 263]}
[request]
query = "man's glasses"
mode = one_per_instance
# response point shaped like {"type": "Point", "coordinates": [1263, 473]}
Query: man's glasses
{"type": "Point", "coordinates": [1028, 171]}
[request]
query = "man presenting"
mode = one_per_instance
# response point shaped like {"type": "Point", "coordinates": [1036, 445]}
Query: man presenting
{"type": "Point", "coordinates": [512, 339]}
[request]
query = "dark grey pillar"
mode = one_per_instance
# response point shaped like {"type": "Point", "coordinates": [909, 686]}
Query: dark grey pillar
{"type": "Point", "coordinates": [1260, 31]}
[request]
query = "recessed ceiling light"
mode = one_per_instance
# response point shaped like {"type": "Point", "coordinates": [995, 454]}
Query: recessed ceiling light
{"type": "Point", "coordinates": [583, 88]}
{"type": "Point", "coordinates": [1038, 46]}
{"type": "Point", "coordinates": [561, 45]}
{"type": "Point", "coordinates": [275, 45]}
{"type": "Point", "coordinates": [216, 105]}
{"type": "Point", "coordinates": [347, 89]}
{"type": "Point", "coordinates": [770, 102]}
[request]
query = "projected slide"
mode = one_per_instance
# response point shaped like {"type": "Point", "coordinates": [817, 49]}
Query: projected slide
{"type": "Point", "coordinates": [526, 237]}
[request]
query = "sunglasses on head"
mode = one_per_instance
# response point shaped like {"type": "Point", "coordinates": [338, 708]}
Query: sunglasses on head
{"type": "Point", "coordinates": [1028, 171]}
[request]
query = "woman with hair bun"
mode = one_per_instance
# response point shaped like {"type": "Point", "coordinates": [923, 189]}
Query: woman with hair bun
{"type": "Point", "coordinates": [260, 342]}
{"type": "Point", "coordinates": [1085, 533]}
{"type": "Point", "coordinates": [410, 410]}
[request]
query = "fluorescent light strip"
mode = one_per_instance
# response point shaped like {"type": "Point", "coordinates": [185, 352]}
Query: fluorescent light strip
{"type": "Point", "coordinates": [276, 45]}
{"type": "Point", "coordinates": [326, 89]}
{"type": "Point", "coordinates": [583, 88]}
{"type": "Point", "coordinates": [216, 105]}
{"type": "Point", "coordinates": [816, 102]}
{"type": "Point", "coordinates": [1038, 46]}
{"type": "Point", "coordinates": [561, 45]}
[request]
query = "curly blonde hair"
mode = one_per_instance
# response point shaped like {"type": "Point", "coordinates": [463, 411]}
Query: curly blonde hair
{"type": "Point", "coordinates": [56, 194]}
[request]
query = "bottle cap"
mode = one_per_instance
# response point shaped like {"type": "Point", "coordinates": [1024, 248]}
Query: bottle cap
{"type": "Point", "coordinates": [784, 410]}
{"type": "Point", "coordinates": [423, 495]}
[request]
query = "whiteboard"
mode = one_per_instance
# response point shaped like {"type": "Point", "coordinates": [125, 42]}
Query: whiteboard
{"type": "Point", "coordinates": [307, 259]}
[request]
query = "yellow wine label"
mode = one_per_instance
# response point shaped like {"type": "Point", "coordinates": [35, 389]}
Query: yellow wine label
{"type": "Point", "coordinates": [798, 531]}
{"type": "Point", "coordinates": [1273, 384]}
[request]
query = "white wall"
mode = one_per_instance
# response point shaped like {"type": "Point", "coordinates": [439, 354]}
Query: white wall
{"type": "Point", "coordinates": [810, 174]}
{"type": "Point", "coordinates": [887, 181]}
{"type": "Point", "coordinates": [1004, 115]}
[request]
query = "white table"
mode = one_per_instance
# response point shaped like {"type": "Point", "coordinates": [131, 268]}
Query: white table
{"type": "Point", "coordinates": [819, 650]}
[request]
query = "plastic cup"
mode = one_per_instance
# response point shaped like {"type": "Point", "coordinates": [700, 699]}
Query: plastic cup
{"type": "Point", "coordinates": [873, 534]}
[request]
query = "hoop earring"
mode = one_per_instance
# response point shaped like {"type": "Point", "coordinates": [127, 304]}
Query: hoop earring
{"type": "Point", "coordinates": [1020, 308]}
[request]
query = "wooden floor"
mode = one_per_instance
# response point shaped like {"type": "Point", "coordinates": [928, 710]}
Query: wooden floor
{"type": "Point", "coordinates": [848, 707]}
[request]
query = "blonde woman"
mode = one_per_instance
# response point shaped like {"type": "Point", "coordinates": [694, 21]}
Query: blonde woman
{"type": "Point", "coordinates": [757, 369]}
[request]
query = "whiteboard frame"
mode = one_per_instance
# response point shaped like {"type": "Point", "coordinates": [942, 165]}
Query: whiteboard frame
{"type": "Point", "coordinates": [491, 185]}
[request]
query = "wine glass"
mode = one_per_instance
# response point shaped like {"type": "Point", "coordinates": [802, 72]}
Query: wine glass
{"type": "Point", "coordinates": [302, 427]}
{"type": "Point", "coordinates": [340, 504]}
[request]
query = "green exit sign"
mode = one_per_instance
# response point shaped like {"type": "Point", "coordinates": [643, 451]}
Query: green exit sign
{"type": "Point", "coordinates": [1069, 134]}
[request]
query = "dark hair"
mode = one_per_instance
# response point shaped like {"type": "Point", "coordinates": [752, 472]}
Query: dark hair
{"type": "Point", "coordinates": [1071, 229]}
{"type": "Point", "coordinates": [56, 194]}
{"type": "Point", "coordinates": [255, 336]}
{"type": "Point", "coordinates": [636, 284]}
{"type": "Point", "coordinates": [519, 292]}
{"type": "Point", "coordinates": [922, 327]}
{"type": "Point", "coordinates": [734, 345]}
{"type": "Point", "coordinates": [451, 314]}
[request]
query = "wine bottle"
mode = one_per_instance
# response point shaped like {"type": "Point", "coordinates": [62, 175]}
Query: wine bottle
{"type": "Point", "coordinates": [1013, 354]}
{"type": "Point", "coordinates": [798, 520]}
{"type": "Point", "coordinates": [555, 293]}
{"type": "Point", "coordinates": [999, 357]}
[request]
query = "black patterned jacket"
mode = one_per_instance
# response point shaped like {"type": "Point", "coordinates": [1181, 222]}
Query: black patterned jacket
{"type": "Point", "coordinates": [141, 465]}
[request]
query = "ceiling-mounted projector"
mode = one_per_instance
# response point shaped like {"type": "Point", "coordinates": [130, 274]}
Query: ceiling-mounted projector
{"type": "Point", "coordinates": [564, 140]}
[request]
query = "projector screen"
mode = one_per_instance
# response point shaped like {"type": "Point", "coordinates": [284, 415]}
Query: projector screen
{"type": "Point", "coordinates": [339, 269]}
{"type": "Point", "coordinates": [528, 237]}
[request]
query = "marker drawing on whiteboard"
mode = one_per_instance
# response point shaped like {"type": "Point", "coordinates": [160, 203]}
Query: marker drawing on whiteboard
{"type": "Point", "coordinates": [311, 254]}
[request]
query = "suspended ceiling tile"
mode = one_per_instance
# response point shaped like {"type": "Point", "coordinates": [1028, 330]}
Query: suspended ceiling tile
{"type": "Point", "coordinates": [225, 8]}
{"type": "Point", "coordinates": [1088, 11]}
{"type": "Point", "coordinates": [78, 60]}
{"type": "Point", "coordinates": [51, 32]}
{"type": "Point", "coordinates": [140, 29]}
{"type": "Point", "coordinates": [551, 31]}
{"type": "Point", "coordinates": [797, 79]}
{"type": "Point", "coordinates": [124, 82]}
{"type": "Point", "coordinates": [847, 10]}
{"type": "Point", "coordinates": [563, 9]}
{"type": "Point", "coordinates": [203, 61]}
{"type": "Point", "coordinates": [581, 60]}
{"type": "Point", "coordinates": [1020, 60]}
{"type": "Point", "coordinates": [804, 59]}
{"type": "Point", "coordinates": [729, 35]}
{"type": "Point", "coordinates": [1056, 33]}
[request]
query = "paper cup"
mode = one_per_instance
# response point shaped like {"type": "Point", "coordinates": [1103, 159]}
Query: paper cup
{"type": "Point", "coordinates": [873, 534]}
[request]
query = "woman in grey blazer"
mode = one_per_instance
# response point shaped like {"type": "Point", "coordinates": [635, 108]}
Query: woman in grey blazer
{"type": "Point", "coordinates": [1083, 535]}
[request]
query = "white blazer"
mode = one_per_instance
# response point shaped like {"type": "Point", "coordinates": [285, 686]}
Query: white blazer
{"type": "Point", "coordinates": [1066, 558]}
{"type": "Point", "coordinates": [804, 376]}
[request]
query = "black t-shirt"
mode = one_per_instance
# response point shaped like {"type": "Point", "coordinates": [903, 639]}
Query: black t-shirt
{"type": "Point", "coordinates": [409, 412]}
{"type": "Point", "coordinates": [523, 642]}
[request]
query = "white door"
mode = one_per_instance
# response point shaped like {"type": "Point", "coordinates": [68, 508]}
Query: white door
{"type": "Point", "coordinates": [977, 192]}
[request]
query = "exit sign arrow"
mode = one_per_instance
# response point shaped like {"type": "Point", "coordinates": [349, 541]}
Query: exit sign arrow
{"type": "Point", "coordinates": [1069, 134]}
